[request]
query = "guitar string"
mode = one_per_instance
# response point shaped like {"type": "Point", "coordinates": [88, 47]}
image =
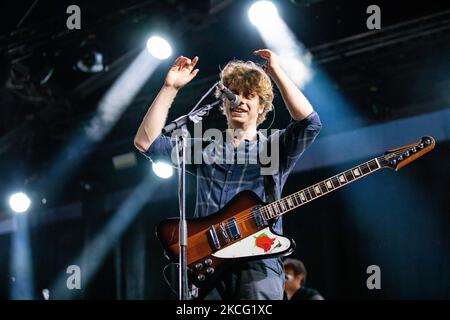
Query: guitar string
{"type": "Point", "coordinates": [263, 209]}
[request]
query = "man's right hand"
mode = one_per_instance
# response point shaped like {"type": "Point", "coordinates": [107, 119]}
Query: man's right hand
{"type": "Point", "coordinates": [181, 73]}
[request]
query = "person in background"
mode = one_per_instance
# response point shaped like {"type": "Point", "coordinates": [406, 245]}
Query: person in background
{"type": "Point", "coordinates": [295, 279]}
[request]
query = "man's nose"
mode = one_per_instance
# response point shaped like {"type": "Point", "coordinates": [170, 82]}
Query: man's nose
{"type": "Point", "coordinates": [242, 98]}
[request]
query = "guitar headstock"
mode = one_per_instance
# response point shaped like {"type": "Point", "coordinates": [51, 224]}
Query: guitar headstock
{"type": "Point", "coordinates": [400, 157]}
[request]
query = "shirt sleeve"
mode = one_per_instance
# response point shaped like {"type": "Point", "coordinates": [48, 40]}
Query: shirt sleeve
{"type": "Point", "coordinates": [160, 149]}
{"type": "Point", "coordinates": [163, 149]}
{"type": "Point", "coordinates": [295, 139]}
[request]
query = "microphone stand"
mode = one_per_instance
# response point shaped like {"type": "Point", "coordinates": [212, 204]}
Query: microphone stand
{"type": "Point", "coordinates": [181, 123]}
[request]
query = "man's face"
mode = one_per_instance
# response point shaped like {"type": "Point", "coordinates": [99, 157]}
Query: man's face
{"type": "Point", "coordinates": [247, 112]}
{"type": "Point", "coordinates": [291, 280]}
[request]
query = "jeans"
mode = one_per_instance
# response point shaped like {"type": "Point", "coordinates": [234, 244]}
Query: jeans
{"type": "Point", "coordinates": [252, 280]}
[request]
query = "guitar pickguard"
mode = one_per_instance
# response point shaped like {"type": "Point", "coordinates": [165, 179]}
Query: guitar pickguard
{"type": "Point", "coordinates": [261, 243]}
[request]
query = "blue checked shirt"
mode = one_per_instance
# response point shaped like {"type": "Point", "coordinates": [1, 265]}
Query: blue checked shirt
{"type": "Point", "coordinates": [218, 183]}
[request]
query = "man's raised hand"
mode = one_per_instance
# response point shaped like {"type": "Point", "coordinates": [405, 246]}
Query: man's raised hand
{"type": "Point", "coordinates": [181, 72]}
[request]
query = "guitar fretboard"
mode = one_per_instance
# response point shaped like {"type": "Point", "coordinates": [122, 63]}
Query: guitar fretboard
{"type": "Point", "coordinates": [297, 199]}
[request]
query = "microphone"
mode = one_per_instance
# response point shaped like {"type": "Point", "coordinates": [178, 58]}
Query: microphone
{"type": "Point", "coordinates": [229, 95]}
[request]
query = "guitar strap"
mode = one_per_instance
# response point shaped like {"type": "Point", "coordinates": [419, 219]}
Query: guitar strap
{"type": "Point", "coordinates": [269, 188]}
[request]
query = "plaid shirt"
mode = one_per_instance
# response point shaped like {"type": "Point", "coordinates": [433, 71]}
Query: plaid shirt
{"type": "Point", "coordinates": [218, 183]}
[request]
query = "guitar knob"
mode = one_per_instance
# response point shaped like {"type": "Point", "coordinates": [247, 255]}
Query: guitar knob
{"type": "Point", "coordinates": [201, 277]}
{"type": "Point", "coordinates": [208, 262]}
{"type": "Point", "coordinates": [210, 270]}
{"type": "Point", "coordinates": [199, 266]}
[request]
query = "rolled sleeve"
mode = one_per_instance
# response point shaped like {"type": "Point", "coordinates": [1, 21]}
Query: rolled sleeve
{"type": "Point", "coordinates": [295, 139]}
{"type": "Point", "coordinates": [160, 149]}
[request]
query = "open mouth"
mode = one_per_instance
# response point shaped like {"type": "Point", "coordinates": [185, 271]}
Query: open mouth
{"type": "Point", "coordinates": [238, 110]}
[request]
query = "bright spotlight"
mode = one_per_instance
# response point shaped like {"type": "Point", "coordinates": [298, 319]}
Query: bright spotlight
{"type": "Point", "coordinates": [162, 169]}
{"type": "Point", "coordinates": [159, 48]}
{"type": "Point", "coordinates": [262, 12]}
{"type": "Point", "coordinates": [19, 202]}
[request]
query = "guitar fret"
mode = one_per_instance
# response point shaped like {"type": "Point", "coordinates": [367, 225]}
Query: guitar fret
{"type": "Point", "coordinates": [342, 179]}
{"type": "Point", "coordinates": [364, 168]}
{"type": "Point", "coordinates": [297, 199]}
{"type": "Point", "coordinates": [323, 187]}
{"type": "Point", "coordinates": [290, 202]}
{"type": "Point", "coordinates": [317, 189]}
{"type": "Point", "coordinates": [307, 194]}
{"type": "Point", "coordinates": [372, 165]}
{"type": "Point", "coordinates": [349, 175]}
{"type": "Point", "coordinates": [294, 199]}
{"type": "Point", "coordinates": [335, 182]}
{"type": "Point", "coordinates": [271, 211]}
{"type": "Point", "coordinates": [303, 197]}
{"type": "Point", "coordinates": [286, 205]}
{"type": "Point", "coordinates": [280, 209]}
{"type": "Point", "coordinates": [329, 184]}
{"type": "Point", "coordinates": [282, 205]}
{"type": "Point", "coordinates": [356, 172]}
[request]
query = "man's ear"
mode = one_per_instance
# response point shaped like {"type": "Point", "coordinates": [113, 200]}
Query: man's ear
{"type": "Point", "coordinates": [261, 110]}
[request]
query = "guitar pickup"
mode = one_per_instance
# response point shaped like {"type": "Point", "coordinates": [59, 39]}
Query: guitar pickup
{"type": "Point", "coordinates": [213, 237]}
{"type": "Point", "coordinates": [259, 218]}
{"type": "Point", "coordinates": [234, 229]}
{"type": "Point", "coordinates": [223, 233]}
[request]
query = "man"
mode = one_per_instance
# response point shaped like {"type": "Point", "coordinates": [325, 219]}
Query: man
{"type": "Point", "coordinates": [295, 288]}
{"type": "Point", "coordinates": [218, 183]}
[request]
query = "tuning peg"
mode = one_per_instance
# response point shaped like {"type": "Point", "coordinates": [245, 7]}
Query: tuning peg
{"type": "Point", "coordinates": [427, 142]}
{"type": "Point", "coordinates": [406, 154]}
{"type": "Point", "coordinates": [393, 162]}
{"type": "Point", "coordinates": [420, 146]}
{"type": "Point", "coordinates": [400, 158]}
{"type": "Point", "coordinates": [413, 149]}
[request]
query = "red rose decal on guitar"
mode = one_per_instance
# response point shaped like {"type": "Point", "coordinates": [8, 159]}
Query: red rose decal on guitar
{"type": "Point", "coordinates": [264, 242]}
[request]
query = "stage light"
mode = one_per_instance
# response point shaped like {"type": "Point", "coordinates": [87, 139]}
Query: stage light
{"type": "Point", "coordinates": [262, 12]}
{"type": "Point", "coordinates": [92, 59]}
{"type": "Point", "coordinates": [159, 48]}
{"type": "Point", "coordinates": [19, 202]}
{"type": "Point", "coordinates": [91, 62]}
{"type": "Point", "coordinates": [162, 170]}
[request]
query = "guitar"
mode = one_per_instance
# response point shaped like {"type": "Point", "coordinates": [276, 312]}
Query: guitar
{"type": "Point", "coordinates": [242, 229]}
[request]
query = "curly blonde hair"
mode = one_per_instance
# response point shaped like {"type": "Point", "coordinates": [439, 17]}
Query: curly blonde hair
{"type": "Point", "coordinates": [248, 77]}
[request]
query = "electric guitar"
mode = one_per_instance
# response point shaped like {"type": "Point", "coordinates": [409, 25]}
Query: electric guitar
{"type": "Point", "coordinates": [242, 229]}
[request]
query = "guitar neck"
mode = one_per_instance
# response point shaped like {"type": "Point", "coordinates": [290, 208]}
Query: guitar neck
{"type": "Point", "coordinates": [297, 199]}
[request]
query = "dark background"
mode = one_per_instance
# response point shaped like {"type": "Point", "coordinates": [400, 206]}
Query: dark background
{"type": "Point", "coordinates": [396, 220]}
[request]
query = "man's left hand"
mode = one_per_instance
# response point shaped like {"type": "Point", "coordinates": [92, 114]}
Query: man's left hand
{"type": "Point", "coordinates": [272, 60]}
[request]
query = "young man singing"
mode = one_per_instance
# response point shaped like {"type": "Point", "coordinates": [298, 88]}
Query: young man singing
{"type": "Point", "coordinates": [218, 183]}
